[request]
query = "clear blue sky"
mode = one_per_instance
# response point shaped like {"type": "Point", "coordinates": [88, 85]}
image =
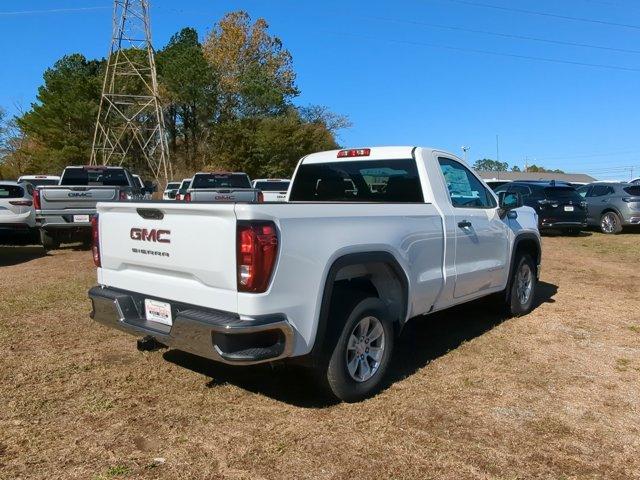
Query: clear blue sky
{"type": "Point", "coordinates": [401, 77]}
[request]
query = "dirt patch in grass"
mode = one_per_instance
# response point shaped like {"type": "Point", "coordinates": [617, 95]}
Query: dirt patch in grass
{"type": "Point", "coordinates": [554, 394]}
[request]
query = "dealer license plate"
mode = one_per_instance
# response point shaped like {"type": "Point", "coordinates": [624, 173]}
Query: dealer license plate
{"type": "Point", "coordinates": [568, 208]}
{"type": "Point", "coordinates": [158, 311]}
{"type": "Point", "coordinates": [81, 219]}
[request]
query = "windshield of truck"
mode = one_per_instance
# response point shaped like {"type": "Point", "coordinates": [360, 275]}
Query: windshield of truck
{"type": "Point", "coordinates": [11, 191]}
{"type": "Point", "coordinates": [185, 184]}
{"type": "Point", "coordinates": [172, 186]}
{"type": "Point", "coordinates": [271, 186]}
{"type": "Point", "coordinates": [381, 181]}
{"type": "Point", "coordinates": [221, 180]}
{"type": "Point", "coordinates": [562, 193]}
{"type": "Point", "coordinates": [108, 177]}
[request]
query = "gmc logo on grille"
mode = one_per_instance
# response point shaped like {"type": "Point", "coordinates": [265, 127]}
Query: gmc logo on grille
{"type": "Point", "coordinates": [144, 235]}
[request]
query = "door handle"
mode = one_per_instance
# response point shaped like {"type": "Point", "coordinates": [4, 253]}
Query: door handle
{"type": "Point", "coordinates": [464, 224]}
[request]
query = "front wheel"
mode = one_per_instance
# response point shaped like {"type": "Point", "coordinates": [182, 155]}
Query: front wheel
{"type": "Point", "coordinates": [523, 287]}
{"type": "Point", "coordinates": [610, 223]}
{"type": "Point", "coordinates": [361, 357]}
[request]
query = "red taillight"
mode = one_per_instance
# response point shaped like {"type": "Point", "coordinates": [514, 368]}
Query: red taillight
{"type": "Point", "coordinates": [260, 197]}
{"type": "Point", "coordinates": [123, 195]}
{"type": "Point", "coordinates": [21, 203]}
{"type": "Point", "coordinates": [354, 152]}
{"type": "Point", "coordinates": [256, 255]}
{"type": "Point", "coordinates": [187, 197]}
{"type": "Point", "coordinates": [95, 241]}
{"type": "Point", "coordinates": [36, 199]}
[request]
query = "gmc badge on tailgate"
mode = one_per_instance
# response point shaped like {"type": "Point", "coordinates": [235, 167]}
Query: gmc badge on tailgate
{"type": "Point", "coordinates": [144, 235]}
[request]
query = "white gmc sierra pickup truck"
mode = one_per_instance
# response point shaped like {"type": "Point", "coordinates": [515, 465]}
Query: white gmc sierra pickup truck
{"type": "Point", "coordinates": [368, 239]}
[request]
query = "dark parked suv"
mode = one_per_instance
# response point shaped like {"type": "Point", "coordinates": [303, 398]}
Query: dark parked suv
{"type": "Point", "coordinates": [612, 205]}
{"type": "Point", "coordinates": [558, 205]}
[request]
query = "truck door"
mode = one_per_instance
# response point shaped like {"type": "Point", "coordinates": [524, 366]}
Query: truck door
{"type": "Point", "coordinates": [482, 237]}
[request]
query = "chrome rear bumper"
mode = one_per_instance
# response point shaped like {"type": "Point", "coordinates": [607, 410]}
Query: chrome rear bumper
{"type": "Point", "coordinates": [220, 336]}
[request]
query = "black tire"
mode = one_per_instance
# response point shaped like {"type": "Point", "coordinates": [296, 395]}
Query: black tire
{"type": "Point", "coordinates": [340, 381]}
{"type": "Point", "coordinates": [610, 223]}
{"type": "Point", "coordinates": [517, 303]}
{"type": "Point", "coordinates": [49, 241]}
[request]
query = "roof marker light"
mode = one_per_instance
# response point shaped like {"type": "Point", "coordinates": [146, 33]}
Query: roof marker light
{"type": "Point", "coordinates": [354, 152]}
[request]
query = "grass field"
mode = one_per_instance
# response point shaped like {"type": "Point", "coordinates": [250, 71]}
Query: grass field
{"type": "Point", "coordinates": [552, 395]}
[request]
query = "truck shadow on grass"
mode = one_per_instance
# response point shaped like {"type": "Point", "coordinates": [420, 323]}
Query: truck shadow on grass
{"type": "Point", "coordinates": [422, 341]}
{"type": "Point", "coordinates": [14, 255]}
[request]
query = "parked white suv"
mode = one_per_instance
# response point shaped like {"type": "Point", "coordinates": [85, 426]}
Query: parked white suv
{"type": "Point", "coordinates": [16, 207]}
{"type": "Point", "coordinates": [368, 239]}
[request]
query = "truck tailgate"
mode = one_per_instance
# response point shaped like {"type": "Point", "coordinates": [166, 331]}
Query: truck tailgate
{"type": "Point", "coordinates": [223, 195]}
{"type": "Point", "coordinates": [181, 252]}
{"type": "Point", "coordinates": [73, 198]}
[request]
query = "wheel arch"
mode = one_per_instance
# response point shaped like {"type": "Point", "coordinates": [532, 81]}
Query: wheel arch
{"type": "Point", "coordinates": [607, 209]}
{"type": "Point", "coordinates": [366, 270]}
{"type": "Point", "coordinates": [525, 243]}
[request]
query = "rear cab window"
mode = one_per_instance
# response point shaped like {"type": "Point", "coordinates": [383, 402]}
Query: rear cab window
{"type": "Point", "coordinates": [370, 181]}
{"type": "Point", "coordinates": [272, 186]}
{"type": "Point", "coordinates": [86, 176]}
{"type": "Point", "coordinates": [11, 191]}
{"type": "Point", "coordinates": [39, 182]}
{"type": "Point", "coordinates": [220, 180]}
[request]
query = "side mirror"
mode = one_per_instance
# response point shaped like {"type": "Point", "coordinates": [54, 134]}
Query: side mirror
{"type": "Point", "coordinates": [509, 200]}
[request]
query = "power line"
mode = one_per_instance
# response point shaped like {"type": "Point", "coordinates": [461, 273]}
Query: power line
{"type": "Point", "coordinates": [546, 14]}
{"type": "Point", "coordinates": [54, 10]}
{"type": "Point", "coordinates": [506, 35]}
{"type": "Point", "coordinates": [489, 52]}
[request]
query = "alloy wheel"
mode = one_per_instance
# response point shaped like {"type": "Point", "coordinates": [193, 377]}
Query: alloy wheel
{"type": "Point", "coordinates": [608, 223]}
{"type": "Point", "coordinates": [365, 349]}
{"type": "Point", "coordinates": [524, 284]}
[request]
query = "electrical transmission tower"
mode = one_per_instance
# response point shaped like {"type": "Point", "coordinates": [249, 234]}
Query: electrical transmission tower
{"type": "Point", "coordinates": [130, 128]}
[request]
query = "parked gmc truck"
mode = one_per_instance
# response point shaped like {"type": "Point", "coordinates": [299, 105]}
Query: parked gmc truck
{"type": "Point", "coordinates": [222, 187]}
{"type": "Point", "coordinates": [64, 211]}
{"type": "Point", "coordinates": [368, 239]}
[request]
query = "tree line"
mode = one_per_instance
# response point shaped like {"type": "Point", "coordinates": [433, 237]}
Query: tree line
{"type": "Point", "coordinates": [490, 165]}
{"type": "Point", "coordinates": [228, 103]}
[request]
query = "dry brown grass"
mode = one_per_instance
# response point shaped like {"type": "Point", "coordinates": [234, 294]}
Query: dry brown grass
{"type": "Point", "coordinates": [553, 395]}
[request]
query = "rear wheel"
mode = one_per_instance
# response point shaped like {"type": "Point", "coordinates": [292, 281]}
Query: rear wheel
{"type": "Point", "coordinates": [48, 240]}
{"type": "Point", "coordinates": [361, 356]}
{"type": "Point", "coordinates": [522, 289]}
{"type": "Point", "coordinates": [610, 223]}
